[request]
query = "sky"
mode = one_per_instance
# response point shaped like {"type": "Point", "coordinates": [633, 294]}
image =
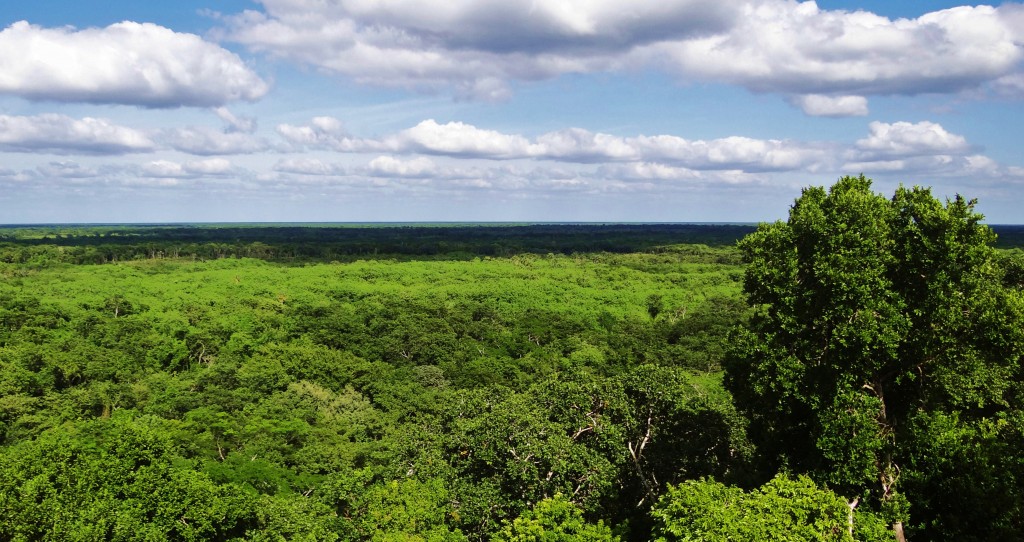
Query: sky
{"type": "Point", "coordinates": [490, 110]}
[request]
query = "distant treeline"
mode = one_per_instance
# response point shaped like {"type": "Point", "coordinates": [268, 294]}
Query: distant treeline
{"type": "Point", "coordinates": [296, 243]}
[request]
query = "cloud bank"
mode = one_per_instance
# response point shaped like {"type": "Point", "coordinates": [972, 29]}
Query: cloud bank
{"type": "Point", "coordinates": [921, 148]}
{"type": "Point", "coordinates": [445, 162]}
{"type": "Point", "coordinates": [572, 145]}
{"type": "Point", "coordinates": [826, 62]}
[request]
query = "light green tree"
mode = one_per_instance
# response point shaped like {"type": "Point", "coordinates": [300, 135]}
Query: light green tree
{"type": "Point", "coordinates": [785, 508]}
{"type": "Point", "coordinates": [554, 519]}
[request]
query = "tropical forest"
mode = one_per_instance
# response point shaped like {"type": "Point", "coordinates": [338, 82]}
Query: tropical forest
{"type": "Point", "coordinates": [850, 373]}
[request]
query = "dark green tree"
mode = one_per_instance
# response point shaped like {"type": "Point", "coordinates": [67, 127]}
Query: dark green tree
{"type": "Point", "coordinates": [882, 326]}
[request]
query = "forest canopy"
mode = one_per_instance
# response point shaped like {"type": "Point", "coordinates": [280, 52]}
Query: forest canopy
{"type": "Point", "coordinates": [852, 369]}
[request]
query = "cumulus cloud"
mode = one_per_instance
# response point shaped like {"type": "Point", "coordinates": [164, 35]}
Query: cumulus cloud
{"type": "Point", "coordinates": [320, 132]}
{"type": "Point", "coordinates": [919, 148]}
{"type": "Point", "coordinates": [983, 165]}
{"type": "Point", "coordinates": [782, 46]}
{"type": "Point", "coordinates": [163, 168]}
{"type": "Point", "coordinates": [831, 60]}
{"type": "Point", "coordinates": [197, 168]}
{"type": "Point", "coordinates": [308, 166]}
{"type": "Point", "coordinates": [734, 152]}
{"type": "Point", "coordinates": [819, 105]}
{"type": "Point", "coordinates": [235, 123]}
{"type": "Point", "coordinates": [910, 139]}
{"type": "Point", "coordinates": [52, 133]}
{"type": "Point", "coordinates": [125, 63]}
{"type": "Point", "coordinates": [214, 172]}
{"type": "Point", "coordinates": [899, 147]}
{"type": "Point", "coordinates": [60, 134]}
{"type": "Point", "coordinates": [448, 160]}
{"type": "Point", "coordinates": [206, 141]}
{"type": "Point", "coordinates": [579, 145]}
{"type": "Point", "coordinates": [326, 133]}
{"type": "Point", "coordinates": [459, 139]}
{"type": "Point", "coordinates": [469, 46]}
{"type": "Point", "coordinates": [646, 171]}
{"type": "Point", "coordinates": [211, 166]}
{"type": "Point", "coordinates": [389, 166]}
{"type": "Point", "coordinates": [497, 26]}
{"type": "Point", "coordinates": [575, 145]}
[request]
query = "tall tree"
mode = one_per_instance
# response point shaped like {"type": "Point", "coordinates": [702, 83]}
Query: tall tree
{"type": "Point", "coordinates": [882, 325]}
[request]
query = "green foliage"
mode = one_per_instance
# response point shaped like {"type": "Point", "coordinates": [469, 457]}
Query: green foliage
{"type": "Point", "coordinates": [389, 397]}
{"type": "Point", "coordinates": [120, 479]}
{"type": "Point", "coordinates": [784, 509]}
{"type": "Point", "coordinates": [873, 316]}
{"type": "Point", "coordinates": [408, 510]}
{"type": "Point", "coordinates": [542, 382]}
{"type": "Point", "coordinates": [554, 519]}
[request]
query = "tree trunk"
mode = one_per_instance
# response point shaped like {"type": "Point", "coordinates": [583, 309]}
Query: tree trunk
{"type": "Point", "coordinates": [898, 529]}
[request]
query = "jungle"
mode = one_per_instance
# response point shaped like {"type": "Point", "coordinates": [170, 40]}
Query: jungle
{"type": "Point", "coordinates": [789, 381]}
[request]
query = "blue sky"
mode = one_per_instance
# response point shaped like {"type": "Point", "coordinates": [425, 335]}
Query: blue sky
{"type": "Point", "coordinates": [479, 110]}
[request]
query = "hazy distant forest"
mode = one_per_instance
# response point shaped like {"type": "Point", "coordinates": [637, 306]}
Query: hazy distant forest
{"type": "Point", "coordinates": [850, 373]}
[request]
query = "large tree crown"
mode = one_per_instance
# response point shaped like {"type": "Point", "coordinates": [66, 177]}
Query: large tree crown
{"type": "Point", "coordinates": [873, 313]}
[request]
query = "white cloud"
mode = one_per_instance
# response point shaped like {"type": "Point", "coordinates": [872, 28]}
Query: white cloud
{"type": "Point", "coordinates": [325, 133]}
{"type": "Point", "coordinates": [236, 123]}
{"type": "Point", "coordinates": [575, 145]}
{"type": "Point", "coordinates": [327, 125]}
{"type": "Point", "coordinates": [192, 169]}
{"type": "Point", "coordinates": [899, 147]}
{"type": "Point", "coordinates": [582, 146]}
{"type": "Point", "coordinates": [734, 152]}
{"type": "Point", "coordinates": [819, 105]}
{"type": "Point", "coordinates": [459, 139]}
{"type": "Point", "coordinates": [456, 155]}
{"type": "Point", "coordinates": [974, 168]}
{"type": "Point", "coordinates": [904, 139]}
{"type": "Point", "coordinates": [502, 26]}
{"type": "Point", "coordinates": [206, 141]}
{"type": "Point", "coordinates": [983, 165]}
{"type": "Point", "coordinates": [308, 166]}
{"type": "Point", "coordinates": [389, 166]}
{"type": "Point", "coordinates": [469, 46]}
{"type": "Point", "coordinates": [646, 171]}
{"type": "Point", "coordinates": [579, 145]}
{"type": "Point", "coordinates": [789, 47]}
{"type": "Point", "coordinates": [875, 166]}
{"type": "Point", "coordinates": [447, 162]}
{"type": "Point", "coordinates": [833, 60]}
{"type": "Point", "coordinates": [52, 133]}
{"type": "Point", "coordinates": [210, 166]}
{"type": "Point", "coordinates": [923, 148]}
{"type": "Point", "coordinates": [125, 63]}
{"type": "Point", "coordinates": [163, 168]}
{"type": "Point", "coordinates": [60, 134]}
